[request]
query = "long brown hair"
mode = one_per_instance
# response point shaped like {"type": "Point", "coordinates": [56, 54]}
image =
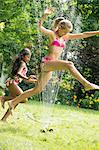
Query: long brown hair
{"type": "Point", "coordinates": [18, 61]}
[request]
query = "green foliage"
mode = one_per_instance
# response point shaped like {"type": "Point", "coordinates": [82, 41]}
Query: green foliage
{"type": "Point", "coordinates": [1, 92]}
{"type": "Point", "coordinates": [90, 101]}
{"type": "Point", "coordinates": [66, 90]}
{"type": "Point", "coordinates": [19, 27]}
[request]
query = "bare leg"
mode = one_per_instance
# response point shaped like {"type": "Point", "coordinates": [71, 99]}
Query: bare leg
{"type": "Point", "coordinates": [43, 80]}
{"type": "Point", "coordinates": [3, 99]}
{"type": "Point", "coordinates": [6, 115]}
{"type": "Point", "coordinates": [68, 65]}
{"type": "Point", "coordinates": [15, 90]}
{"type": "Point", "coordinates": [46, 75]}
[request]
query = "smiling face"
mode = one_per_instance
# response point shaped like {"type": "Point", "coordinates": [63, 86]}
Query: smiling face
{"type": "Point", "coordinates": [64, 27]}
{"type": "Point", "coordinates": [62, 32]}
{"type": "Point", "coordinates": [26, 58]}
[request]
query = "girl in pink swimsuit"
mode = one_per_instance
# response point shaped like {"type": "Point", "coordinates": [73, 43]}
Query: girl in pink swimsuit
{"type": "Point", "coordinates": [57, 39]}
{"type": "Point", "coordinates": [18, 73]}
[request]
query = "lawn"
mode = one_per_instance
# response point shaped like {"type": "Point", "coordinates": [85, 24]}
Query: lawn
{"type": "Point", "coordinates": [37, 126]}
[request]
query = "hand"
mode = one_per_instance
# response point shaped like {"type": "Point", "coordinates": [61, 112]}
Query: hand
{"type": "Point", "coordinates": [9, 81]}
{"type": "Point", "coordinates": [32, 76]}
{"type": "Point", "coordinates": [32, 79]}
{"type": "Point", "coordinates": [48, 11]}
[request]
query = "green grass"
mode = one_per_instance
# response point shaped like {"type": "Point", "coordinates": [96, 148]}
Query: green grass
{"type": "Point", "coordinates": [73, 128]}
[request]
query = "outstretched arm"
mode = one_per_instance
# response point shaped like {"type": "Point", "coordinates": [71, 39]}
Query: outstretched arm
{"type": "Point", "coordinates": [82, 35]}
{"type": "Point", "coordinates": [47, 12]}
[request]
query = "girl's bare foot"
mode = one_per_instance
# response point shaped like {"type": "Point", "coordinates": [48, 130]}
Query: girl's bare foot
{"type": "Point", "coordinates": [2, 101]}
{"type": "Point", "coordinates": [91, 86]}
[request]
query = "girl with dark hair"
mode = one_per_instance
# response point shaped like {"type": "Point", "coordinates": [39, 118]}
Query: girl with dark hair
{"type": "Point", "coordinates": [19, 70]}
{"type": "Point", "coordinates": [58, 37]}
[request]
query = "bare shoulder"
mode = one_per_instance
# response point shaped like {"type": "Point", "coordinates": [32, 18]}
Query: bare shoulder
{"type": "Point", "coordinates": [23, 64]}
{"type": "Point", "coordinates": [66, 36]}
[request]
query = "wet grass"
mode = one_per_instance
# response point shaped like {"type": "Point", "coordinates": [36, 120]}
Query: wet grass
{"type": "Point", "coordinates": [35, 126]}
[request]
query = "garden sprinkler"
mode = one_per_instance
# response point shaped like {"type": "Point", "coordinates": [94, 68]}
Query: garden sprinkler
{"type": "Point", "coordinates": [46, 127]}
{"type": "Point", "coordinates": [46, 124]}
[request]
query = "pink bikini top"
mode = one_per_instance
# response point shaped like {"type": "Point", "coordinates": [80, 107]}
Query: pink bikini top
{"type": "Point", "coordinates": [56, 42]}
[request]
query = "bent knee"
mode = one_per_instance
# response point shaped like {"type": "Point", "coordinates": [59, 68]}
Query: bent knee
{"type": "Point", "coordinates": [70, 64]}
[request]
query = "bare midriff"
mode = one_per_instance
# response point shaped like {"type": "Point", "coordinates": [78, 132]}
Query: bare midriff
{"type": "Point", "coordinates": [55, 52]}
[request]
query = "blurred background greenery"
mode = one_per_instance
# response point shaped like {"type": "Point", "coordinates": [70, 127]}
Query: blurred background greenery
{"type": "Point", "coordinates": [19, 29]}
